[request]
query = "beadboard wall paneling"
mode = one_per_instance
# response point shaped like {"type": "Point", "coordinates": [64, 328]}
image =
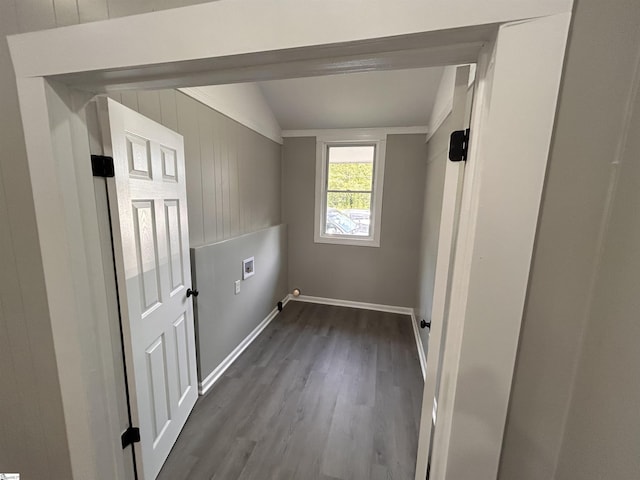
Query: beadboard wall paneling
{"type": "Point", "coordinates": [233, 173]}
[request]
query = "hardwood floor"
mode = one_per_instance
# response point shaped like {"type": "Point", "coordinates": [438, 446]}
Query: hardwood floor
{"type": "Point", "coordinates": [327, 393]}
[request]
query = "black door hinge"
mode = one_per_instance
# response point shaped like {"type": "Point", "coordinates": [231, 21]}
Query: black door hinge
{"type": "Point", "coordinates": [459, 145]}
{"type": "Point", "coordinates": [130, 436]}
{"type": "Point", "coordinates": [102, 166]}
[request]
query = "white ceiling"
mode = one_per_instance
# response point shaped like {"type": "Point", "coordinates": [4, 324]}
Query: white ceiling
{"type": "Point", "coordinates": [398, 98]}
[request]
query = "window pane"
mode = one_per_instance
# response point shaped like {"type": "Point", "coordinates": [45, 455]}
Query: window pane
{"type": "Point", "coordinates": [348, 213]}
{"type": "Point", "coordinates": [350, 168]}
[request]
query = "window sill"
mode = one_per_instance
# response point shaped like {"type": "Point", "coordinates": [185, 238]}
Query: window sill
{"type": "Point", "coordinates": [354, 242]}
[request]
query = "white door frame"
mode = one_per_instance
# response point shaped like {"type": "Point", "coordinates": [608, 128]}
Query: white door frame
{"type": "Point", "coordinates": [451, 194]}
{"type": "Point", "coordinates": [524, 45]}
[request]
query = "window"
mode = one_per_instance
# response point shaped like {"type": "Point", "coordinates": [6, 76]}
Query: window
{"type": "Point", "coordinates": [349, 177]}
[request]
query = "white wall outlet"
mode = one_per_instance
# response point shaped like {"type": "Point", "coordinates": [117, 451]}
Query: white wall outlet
{"type": "Point", "coordinates": [237, 285]}
{"type": "Point", "coordinates": [248, 268]}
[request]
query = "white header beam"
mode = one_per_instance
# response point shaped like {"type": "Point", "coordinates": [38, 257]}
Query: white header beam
{"type": "Point", "coordinates": [227, 27]}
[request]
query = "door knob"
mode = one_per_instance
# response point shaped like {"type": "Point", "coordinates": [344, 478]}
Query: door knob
{"type": "Point", "coordinates": [423, 323]}
{"type": "Point", "coordinates": [190, 292]}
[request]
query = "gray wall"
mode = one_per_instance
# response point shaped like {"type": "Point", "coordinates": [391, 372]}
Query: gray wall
{"type": "Point", "coordinates": [32, 427]}
{"type": "Point", "coordinates": [385, 275]}
{"type": "Point", "coordinates": [223, 318]}
{"type": "Point", "coordinates": [437, 149]}
{"type": "Point", "coordinates": [601, 58]}
{"type": "Point", "coordinates": [602, 435]}
{"type": "Point", "coordinates": [233, 173]}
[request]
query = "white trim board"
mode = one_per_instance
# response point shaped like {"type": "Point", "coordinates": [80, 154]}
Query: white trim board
{"type": "Point", "coordinates": [218, 29]}
{"type": "Point", "coordinates": [444, 97]}
{"type": "Point", "coordinates": [207, 384]}
{"type": "Point", "coordinates": [355, 132]}
{"type": "Point", "coordinates": [422, 355]}
{"type": "Point", "coordinates": [351, 304]}
{"type": "Point", "coordinates": [441, 116]}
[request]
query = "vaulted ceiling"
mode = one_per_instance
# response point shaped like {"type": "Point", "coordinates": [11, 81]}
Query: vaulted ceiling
{"type": "Point", "coordinates": [398, 98]}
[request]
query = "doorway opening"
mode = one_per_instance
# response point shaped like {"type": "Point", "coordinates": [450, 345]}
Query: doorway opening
{"type": "Point", "coordinates": [216, 140]}
{"type": "Point", "coordinates": [541, 36]}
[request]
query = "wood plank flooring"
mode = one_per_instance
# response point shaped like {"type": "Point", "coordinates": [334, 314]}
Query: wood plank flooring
{"type": "Point", "coordinates": [327, 393]}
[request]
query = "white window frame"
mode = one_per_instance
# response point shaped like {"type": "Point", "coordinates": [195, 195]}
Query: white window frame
{"type": "Point", "coordinates": [350, 138]}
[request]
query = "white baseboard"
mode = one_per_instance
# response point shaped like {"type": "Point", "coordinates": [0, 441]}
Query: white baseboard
{"type": "Point", "coordinates": [213, 377]}
{"type": "Point", "coordinates": [421, 355]}
{"type": "Point", "coordinates": [349, 303]}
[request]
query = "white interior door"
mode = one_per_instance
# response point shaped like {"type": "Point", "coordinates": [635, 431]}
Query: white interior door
{"type": "Point", "coordinates": [452, 194]}
{"type": "Point", "coordinates": [148, 208]}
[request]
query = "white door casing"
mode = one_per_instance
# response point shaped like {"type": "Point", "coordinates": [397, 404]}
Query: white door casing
{"type": "Point", "coordinates": [148, 207]}
{"type": "Point", "coordinates": [489, 281]}
{"type": "Point", "coordinates": [452, 194]}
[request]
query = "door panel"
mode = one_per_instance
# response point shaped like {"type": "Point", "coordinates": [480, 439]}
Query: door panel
{"type": "Point", "coordinates": [172, 214]}
{"type": "Point", "coordinates": [159, 394]}
{"type": "Point", "coordinates": [147, 199]}
{"type": "Point", "coordinates": [182, 357]}
{"type": "Point", "coordinates": [146, 254]}
{"type": "Point", "coordinates": [138, 156]}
